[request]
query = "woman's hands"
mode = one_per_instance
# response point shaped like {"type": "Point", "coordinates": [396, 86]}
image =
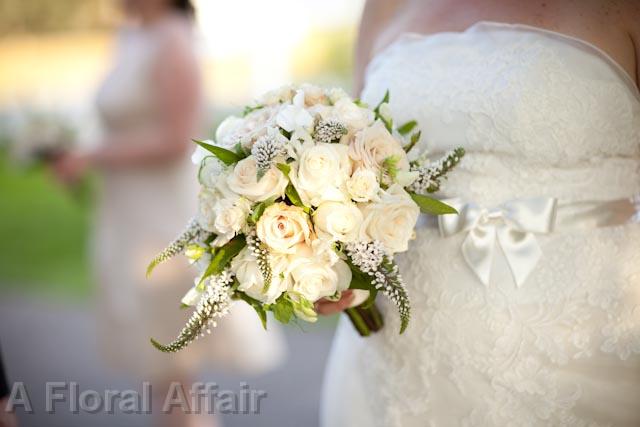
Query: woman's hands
{"type": "Point", "coordinates": [327, 307]}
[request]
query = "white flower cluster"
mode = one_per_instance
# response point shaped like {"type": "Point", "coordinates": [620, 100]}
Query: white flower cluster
{"type": "Point", "coordinates": [303, 173]}
{"type": "Point", "coordinates": [214, 304]}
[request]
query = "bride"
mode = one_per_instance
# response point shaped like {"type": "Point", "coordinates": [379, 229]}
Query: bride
{"type": "Point", "coordinates": [544, 97]}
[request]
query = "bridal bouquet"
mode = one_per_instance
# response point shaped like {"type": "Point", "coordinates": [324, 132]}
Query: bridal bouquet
{"type": "Point", "coordinates": [308, 194]}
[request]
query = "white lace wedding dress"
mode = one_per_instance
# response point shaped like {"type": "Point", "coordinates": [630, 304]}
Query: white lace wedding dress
{"type": "Point", "coordinates": [539, 114]}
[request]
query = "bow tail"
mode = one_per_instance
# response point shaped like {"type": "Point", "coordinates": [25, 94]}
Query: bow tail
{"type": "Point", "coordinates": [478, 249]}
{"type": "Point", "coordinates": [522, 251]}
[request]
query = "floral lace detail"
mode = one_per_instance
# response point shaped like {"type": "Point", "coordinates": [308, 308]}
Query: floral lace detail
{"type": "Point", "coordinates": [537, 116]}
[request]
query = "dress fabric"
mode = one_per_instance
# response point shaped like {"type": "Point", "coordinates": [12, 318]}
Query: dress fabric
{"type": "Point", "coordinates": [539, 114]}
{"type": "Point", "coordinates": [140, 212]}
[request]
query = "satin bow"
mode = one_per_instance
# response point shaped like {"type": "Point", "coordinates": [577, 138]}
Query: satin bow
{"type": "Point", "coordinates": [512, 225]}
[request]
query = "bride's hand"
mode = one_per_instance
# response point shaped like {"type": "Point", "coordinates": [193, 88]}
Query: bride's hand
{"type": "Point", "coordinates": [327, 307]}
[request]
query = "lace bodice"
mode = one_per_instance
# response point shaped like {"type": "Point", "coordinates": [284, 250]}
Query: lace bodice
{"type": "Point", "coordinates": [539, 114]}
{"type": "Point", "coordinates": [545, 113]}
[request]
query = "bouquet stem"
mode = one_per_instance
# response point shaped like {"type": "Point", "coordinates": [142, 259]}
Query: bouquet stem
{"type": "Point", "coordinates": [365, 320]}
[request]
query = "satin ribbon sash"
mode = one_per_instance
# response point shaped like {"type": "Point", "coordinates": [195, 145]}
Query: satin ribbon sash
{"type": "Point", "coordinates": [514, 225]}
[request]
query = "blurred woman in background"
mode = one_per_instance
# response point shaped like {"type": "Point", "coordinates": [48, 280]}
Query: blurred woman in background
{"type": "Point", "coordinates": [150, 107]}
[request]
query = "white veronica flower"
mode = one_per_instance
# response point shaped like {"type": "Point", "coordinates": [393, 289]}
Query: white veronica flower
{"type": "Point", "coordinates": [251, 280]}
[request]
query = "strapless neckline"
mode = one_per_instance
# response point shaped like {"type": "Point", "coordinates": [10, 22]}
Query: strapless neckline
{"type": "Point", "coordinates": [494, 25]}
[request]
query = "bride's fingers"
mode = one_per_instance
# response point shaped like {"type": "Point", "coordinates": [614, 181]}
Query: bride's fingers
{"type": "Point", "coordinates": [326, 307]}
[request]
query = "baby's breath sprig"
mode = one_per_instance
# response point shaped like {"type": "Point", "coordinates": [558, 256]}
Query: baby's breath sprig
{"type": "Point", "coordinates": [372, 259]}
{"type": "Point", "coordinates": [265, 150]}
{"type": "Point", "coordinates": [329, 131]}
{"type": "Point", "coordinates": [430, 175]}
{"type": "Point", "coordinates": [260, 251]}
{"type": "Point", "coordinates": [191, 232]}
{"type": "Point", "coordinates": [214, 304]}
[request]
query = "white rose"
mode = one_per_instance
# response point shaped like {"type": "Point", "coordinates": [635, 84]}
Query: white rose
{"type": "Point", "coordinates": [313, 94]}
{"type": "Point", "coordinates": [199, 154]}
{"type": "Point", "coordinates": [294, 116]}
{"type": "Point", "coordinates": [354, 117]}
{"type": "Point", "coordinates": [211, 169]}
{"type": "Point", "coordinates": [251, 281]}
{"type": "Point", "coordinates": [228, 131]}
{"type": "Point", "coordinates": [392, 220]}
{"type": "Point", "coordinates": [231, 218]}
{"type": "Point", "coordinates": [315, 277]}
{"type": "Point", "coordinates": [245, 130]}
{"type": "Point", "coordinates": [320, 173]}
{"type": "Point", "coordinates": [373, 145]}
{"type": "Point", "coordinates": [282, 227]}
{"type": "Point", "coordinates": [363, 185]}
{"type": "Point", "coordinates": [243, 180]}
{"type": "Point", "coordinates": [341, 221]}
{"type": "Point", "coordinates": [282, 94]}
{"type": "Point", "coordinates": [337, 94]}
{"type": "Point", "coordinates": [208, 200]}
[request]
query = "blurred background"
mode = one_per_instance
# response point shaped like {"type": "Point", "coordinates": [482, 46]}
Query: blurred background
{"type": "Point", "coordinates": [54, 55]}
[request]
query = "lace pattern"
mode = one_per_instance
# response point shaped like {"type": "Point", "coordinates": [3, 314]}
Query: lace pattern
{"type": "Point", "coordinates": [537, 116]}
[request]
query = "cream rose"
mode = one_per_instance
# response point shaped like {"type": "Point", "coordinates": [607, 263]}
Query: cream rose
{"type": "Point", "coordinates": [314, 277]}
{"type": "Point", "coordinates": [340, 221]}
{"type": "Point", "coordinates": [282, 227]}
{"type": "Point", "coordinates": [346, 111]}
{"type": "Point", "coordinates": [391, 220]}
{"type": "Point", "coordinates": [320, 172]}
{"type": "Point", "coordinates": [313, 94]}
{"type": "Point", "coordinates": [363, 185]}
{"type": "Point", "coordinates": [243, 180]}
{"type": "Point", "coordinates": [251, 281]}
{"type": "Point", "coordinates": [373, 145]}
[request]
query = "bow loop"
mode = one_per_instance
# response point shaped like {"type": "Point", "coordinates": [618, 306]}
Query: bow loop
{"type": "Point", "coordinates": [512, 225]}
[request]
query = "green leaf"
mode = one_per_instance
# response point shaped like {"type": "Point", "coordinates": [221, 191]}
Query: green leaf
{"type": "Point", "coordinates": [285, 133]}
{"type": "Point", "coordinates": [282, 310]}
{"type": "Point", "coordinates": [359, 280]}
{"type": "Point", "coordinates": [294, 197]}
{"type": "Point", "coordinates": [432, 206]}
{"type": "Point", "coordinates": [414, 140]}
{"type": "Point", "coordinates": [258, 210]}
{"type": "Point", "coordinates": [250, 109]}
{"type": "Point", "coordinates": [241, 152]}
{"type": "Point", "coordinates": [284, 168]}
{"type": "Point", "coordinates": [257, 306]}
{"type": "Point", "coordinates": [406, 128]}
{"type": "Point", "coordinates": [360, 103]}
{"type": "Point", "coordinates": [371, 300]}
{"type": "Point", "coordinates": [385, 99]}
{"type": "Point", "coordinates": [227, 157]}
{"type": "Point", "coordinates": [222, 256]}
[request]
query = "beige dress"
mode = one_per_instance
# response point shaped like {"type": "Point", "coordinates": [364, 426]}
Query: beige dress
{"type": "Point", "coordinates": [140, 211]}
